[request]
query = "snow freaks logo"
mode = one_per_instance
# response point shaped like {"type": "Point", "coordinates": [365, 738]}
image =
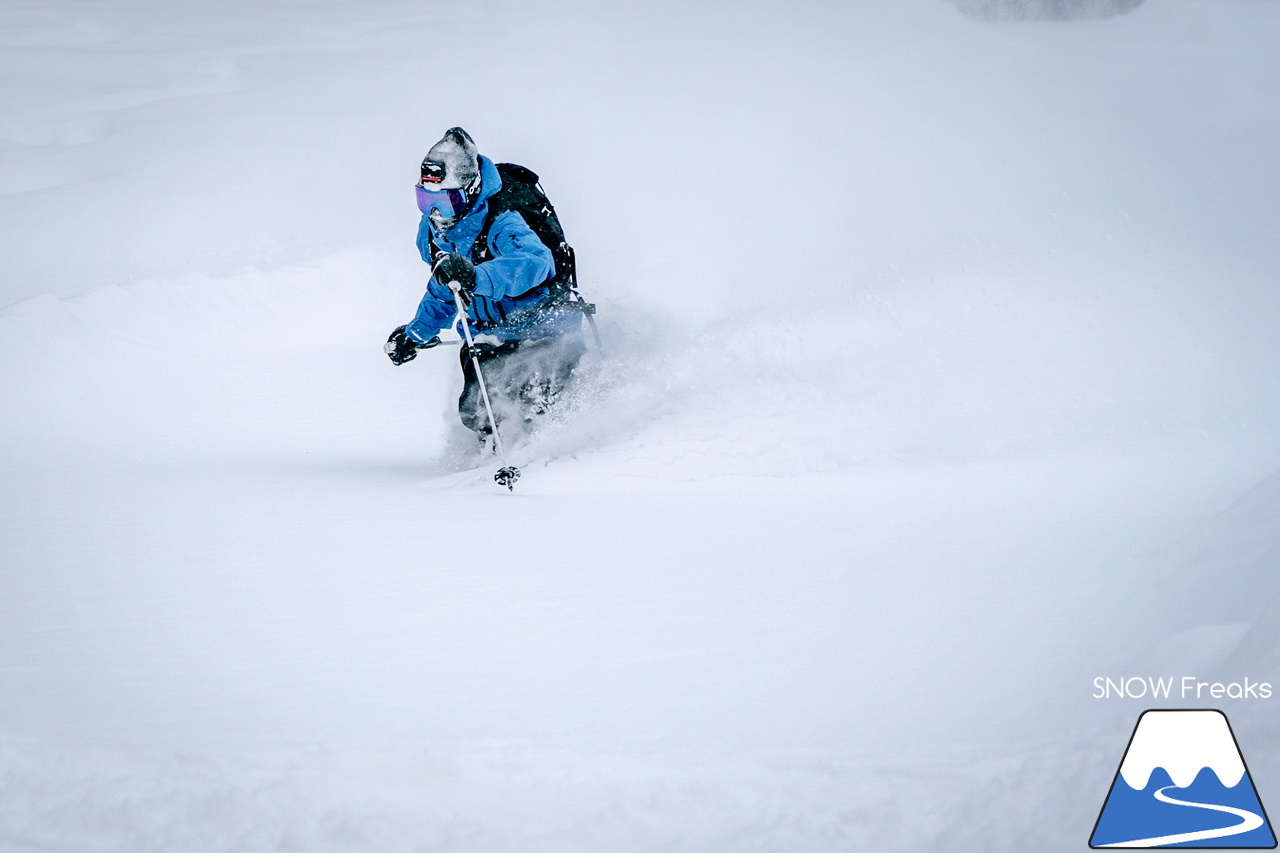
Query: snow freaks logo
{"type": "Point", "coordinates": [1182, 783]}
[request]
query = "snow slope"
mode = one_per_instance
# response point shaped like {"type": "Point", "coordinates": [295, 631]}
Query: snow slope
{"type": "Point", "coordinates": [940, 380]}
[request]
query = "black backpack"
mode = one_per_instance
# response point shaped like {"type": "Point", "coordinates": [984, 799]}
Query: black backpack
{"type": "Point", "coordinates": [522, 193]}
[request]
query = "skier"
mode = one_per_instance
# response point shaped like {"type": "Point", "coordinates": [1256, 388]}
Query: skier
{"type": "Point", "coordinates": [475, 232]}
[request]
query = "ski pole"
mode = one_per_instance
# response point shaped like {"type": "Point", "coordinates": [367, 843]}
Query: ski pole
{"type": "Point", "coordinates": [507, 474]}
{"type": "Point", "coordinates": [589, 310]}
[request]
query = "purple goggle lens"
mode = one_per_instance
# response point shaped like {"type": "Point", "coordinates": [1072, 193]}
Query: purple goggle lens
{"type": "Point", "coordinates": [450, 203]}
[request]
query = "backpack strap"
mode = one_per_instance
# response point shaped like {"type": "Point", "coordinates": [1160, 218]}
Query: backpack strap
{"type": "Point", "coordinates": [431, 244]}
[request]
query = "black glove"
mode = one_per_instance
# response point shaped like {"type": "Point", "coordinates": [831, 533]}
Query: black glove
{"type": "Point", "coordinates": [457, 268]}
{"type": "Point", "coordinates": [401, 348]}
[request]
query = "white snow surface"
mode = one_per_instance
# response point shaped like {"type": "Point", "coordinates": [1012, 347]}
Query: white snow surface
{"type": "Point", "coordinates": [1183, 743]}
{"type": "Point", "coordinates": [939, 381]}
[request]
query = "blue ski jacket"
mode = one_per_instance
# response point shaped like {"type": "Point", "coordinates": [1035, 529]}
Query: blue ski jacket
{"type": "Point", "coordinates": [509, 286]}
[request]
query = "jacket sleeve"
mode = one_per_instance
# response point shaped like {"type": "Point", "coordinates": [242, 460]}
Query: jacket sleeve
{"type": "Point", "coordinates": [520, 260]}
{"type": "Point", "coordinates": [436, 312]}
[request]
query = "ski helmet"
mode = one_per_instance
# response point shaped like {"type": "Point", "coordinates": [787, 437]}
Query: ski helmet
{"type": "Point", "coordinates": [450, 178]}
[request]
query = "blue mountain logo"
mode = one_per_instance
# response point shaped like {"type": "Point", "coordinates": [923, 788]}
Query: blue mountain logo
{"type": "Point", "coordinates": [1183, 783]}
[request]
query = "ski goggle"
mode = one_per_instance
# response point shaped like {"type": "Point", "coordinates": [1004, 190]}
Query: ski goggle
{"type": "Point", "coordinates": [450, 203]}
{"type": "Point", "coordinates": [433, 172]}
